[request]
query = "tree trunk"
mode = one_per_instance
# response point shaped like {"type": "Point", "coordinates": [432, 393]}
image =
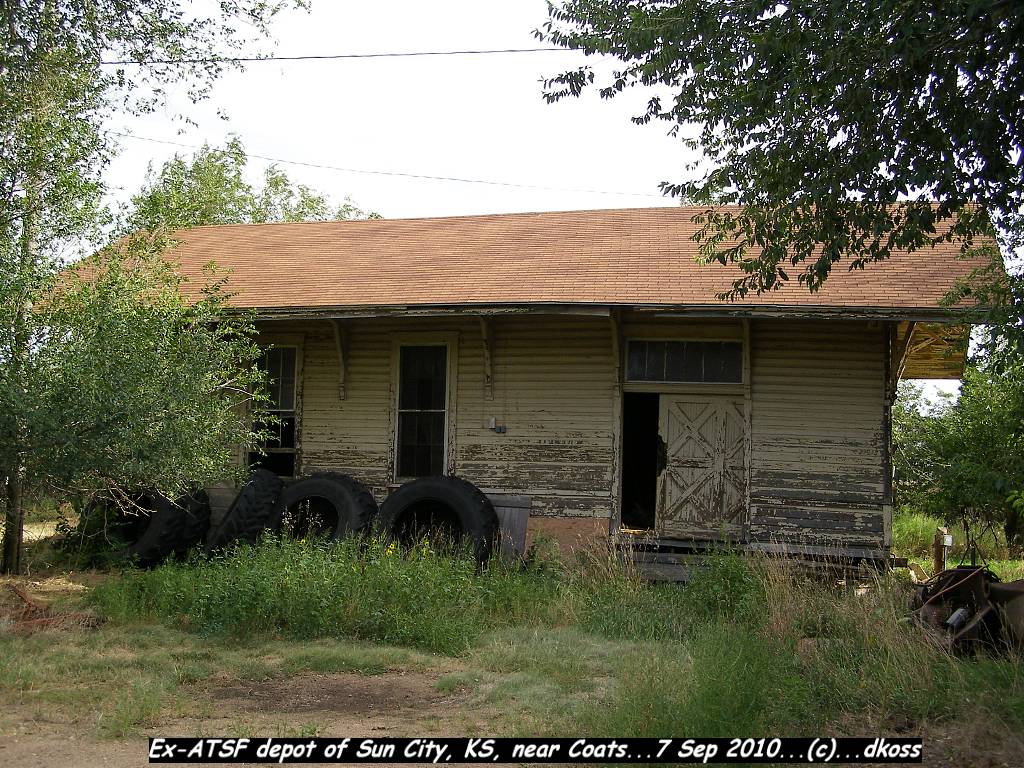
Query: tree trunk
{"type": "Point", "coordinates": [19, 354]}
{"type": "Point", "coordinates": [14, 526]}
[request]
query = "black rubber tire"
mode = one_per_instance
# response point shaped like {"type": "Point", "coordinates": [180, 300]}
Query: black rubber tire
{"type": "Point", "coordinates": [195, 523]}
{"type": "Point", "coordinates": [247, 517]}
{"type": "Point", "coordinates": [152, 532]}
{"type": "Point", "coordinates": [353, 504]}
{"type": "Point", "coordinates": [474, 512]}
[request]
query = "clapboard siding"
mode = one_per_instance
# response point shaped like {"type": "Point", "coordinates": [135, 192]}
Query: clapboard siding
{"type": "Point", "coordinates": [816, 392]}
{"type": "Point", "coordinates": [350, 435]}
{"type": "Point", "coordinates": [552, 388]}
{"type": "Point", "coordinates": [817, 401]}
{"type": "Point", "coordinates": [552, 384]}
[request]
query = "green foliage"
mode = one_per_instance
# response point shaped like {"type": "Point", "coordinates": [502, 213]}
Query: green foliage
{"type": "Point", "coordinates": [772, 651]}
{"type": "Point", "coordinates": [419, 597]}
{"type": "Point", "coordinates": [913, 531]}
{"type": "Point", "coordinates": [724, 587]}
{"type": "Point", "coordinates": [366, 590]}
{"type": "Point", "coordinates": [91, 540]}
{"type": "Point", "coordinates": [55, 98]}
{"type": "Point", "coordinates": [962, 461]}
{"type": "Point", "coordinates": [212, 189]}
{"type": "Point", "coordinates": [819, 118]}
{"type": "Point", "coordinates": [161, 382]}
{"type": "Point", "coordinates": [818, 660]}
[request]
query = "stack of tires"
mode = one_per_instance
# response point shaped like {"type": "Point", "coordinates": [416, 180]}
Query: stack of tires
{"type": "Point", "coordinates": [330, 505]}
{"type": "Point", "coordinates": [156, 527]}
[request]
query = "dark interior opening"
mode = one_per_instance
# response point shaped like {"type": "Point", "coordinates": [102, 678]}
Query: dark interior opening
{"type": "Point", "coordinates": [639, 459]}
{"type": "Point", "coordinates": [432, 520]}
{"type": "Point", "coordinates": [281, 464]}
{"type": "Point", "coordinates": [310, 517]}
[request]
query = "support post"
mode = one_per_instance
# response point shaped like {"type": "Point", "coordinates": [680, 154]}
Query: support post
{"type": "Point", "coordinates": [748, 440]}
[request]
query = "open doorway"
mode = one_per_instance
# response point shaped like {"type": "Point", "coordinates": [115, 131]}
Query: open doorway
{"type": "Point", "coordinates": [640, 446]}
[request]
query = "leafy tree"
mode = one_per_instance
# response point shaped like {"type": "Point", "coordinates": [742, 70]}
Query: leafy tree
{"type": "Point", "coordinates": [55, 95]}
{"type": "Point", "coordinates": [158, 380]}
{"type": "Point", "coordinates": [963, 461]}
{"type": "Point", "coordinates": [999, 341]}
{"type": "Point", "coordinates": [212, 189]}
{"type": "Point", "coordinates": [818, 117]}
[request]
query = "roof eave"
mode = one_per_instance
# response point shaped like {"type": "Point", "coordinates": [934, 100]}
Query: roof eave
{"type": "Point", "coordinates": [916, 314]}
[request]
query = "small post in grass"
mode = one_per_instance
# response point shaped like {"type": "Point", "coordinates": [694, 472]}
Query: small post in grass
{"type": "Point", "coordinates": [940, 542]}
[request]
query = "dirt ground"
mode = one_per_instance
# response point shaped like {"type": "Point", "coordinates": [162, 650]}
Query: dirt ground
{"type": "Point", "coordinates": [47, 732]}
{"type": "Point", "coordinates": [389, 705]}
{"type": "Point", "coordinates": [47, 719]}
{"type": "Point", "coordinates": [386, 705]}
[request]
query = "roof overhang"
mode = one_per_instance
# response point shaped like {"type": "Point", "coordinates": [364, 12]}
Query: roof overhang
{"type": "Point", "coordinates": [930, 315]}
{"type": "Point", "coordinates": [927, 343]}
{"type": "Point", "coordinates": [930, 350]}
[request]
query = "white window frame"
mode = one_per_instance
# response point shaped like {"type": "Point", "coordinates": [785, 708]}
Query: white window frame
{"type": "Point", "coordinates": [296, 342]}
{"type": "Point", "coordinates": [450, 342]}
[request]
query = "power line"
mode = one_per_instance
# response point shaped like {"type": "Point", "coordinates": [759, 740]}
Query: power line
{"type": "Point", "coordinates": [398, 173]}
{"type": "Point", "coordinates": [327, 57]}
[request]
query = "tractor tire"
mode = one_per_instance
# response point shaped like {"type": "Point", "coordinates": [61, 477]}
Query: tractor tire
{"type": "Point", "coordinates": [340, 504]}
{"type": "Point", "coordinates": [195, 512]}
{"type": "Point", "coordinates": [247, 517]}
{"type": "Point", "coordinates": [449, 505]}
{"type": "Point", "coordinates": [151, 532]}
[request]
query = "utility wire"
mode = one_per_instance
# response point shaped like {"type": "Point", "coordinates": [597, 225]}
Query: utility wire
{"type": "Point", "coordinates": [326, 57]}
{"type": "Point", "coordinates": [399, 174]}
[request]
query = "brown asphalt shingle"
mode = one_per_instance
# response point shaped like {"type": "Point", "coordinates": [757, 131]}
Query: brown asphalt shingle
{"type": "Point", "coordinates": [627, 257]}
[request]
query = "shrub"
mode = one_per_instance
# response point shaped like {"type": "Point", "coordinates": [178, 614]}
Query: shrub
{"type": "Point", "coordinates": [726, 586]}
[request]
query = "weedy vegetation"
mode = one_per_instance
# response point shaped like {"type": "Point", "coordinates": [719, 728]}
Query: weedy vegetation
{"type": "Point", "coordinates": [748, 647]}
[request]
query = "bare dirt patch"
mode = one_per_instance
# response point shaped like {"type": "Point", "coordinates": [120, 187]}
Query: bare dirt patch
{"type": "Point", "coordinates": [339, 694]}
{"type": "Point", "coordinates": [391, 704]}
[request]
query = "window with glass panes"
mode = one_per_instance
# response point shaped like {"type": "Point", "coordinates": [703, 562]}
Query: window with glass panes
{"type": "Point", "coordinates": [422, 410]}
{"type": "Point", "coordinates": [685, 361]}
{"type": "Point", "coordinates": [278, 454]}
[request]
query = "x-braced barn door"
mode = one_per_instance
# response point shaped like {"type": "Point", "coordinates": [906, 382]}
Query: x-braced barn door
{"type": "Point", "coordinates": [702, 487]}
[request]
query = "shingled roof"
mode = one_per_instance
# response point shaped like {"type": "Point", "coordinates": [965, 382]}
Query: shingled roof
{"type": "Point", "coordinates": [641, 257]}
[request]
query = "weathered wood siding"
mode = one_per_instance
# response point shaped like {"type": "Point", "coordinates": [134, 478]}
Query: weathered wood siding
{"type": "Point", "coordinates": [816, 401]}
{"type": "Point", "coordinates": [552, 385]}
{"type": "Point", "coordinates": [553, 380]}
{"type": "Point", "coordinates": [817, 462]}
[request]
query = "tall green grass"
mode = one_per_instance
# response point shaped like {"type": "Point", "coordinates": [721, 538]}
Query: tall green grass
{"type": "Point", "coordinates": [913, 532]}
{"type": "Point", "coordinates": [369, 590]}
{"type": "Point", "coordinates": [749, 646]}
{"type": "Point", "coordinates": [771, 651]}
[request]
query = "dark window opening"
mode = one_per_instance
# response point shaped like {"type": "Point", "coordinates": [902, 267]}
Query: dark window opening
{"type": "Point", "coordinates": [277, 453]}
{"type": "Point", "coordinates": [282, 464]}
{"type": "Point", "coordinates": [685, 361]}
{"type": "Point", "coordinates": [422, 403]}
{"type": "Point", "coordinates": [640, 445]}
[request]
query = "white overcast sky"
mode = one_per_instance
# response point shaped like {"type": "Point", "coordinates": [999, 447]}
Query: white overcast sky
{"type": "Point", "coordinates": [477, 117]}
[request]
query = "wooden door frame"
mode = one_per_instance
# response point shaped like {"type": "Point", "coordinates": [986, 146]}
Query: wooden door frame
{"type": "Point", "coordinates": [620, 338]}
{"type": "Point", "coordinates": [297, 341]}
